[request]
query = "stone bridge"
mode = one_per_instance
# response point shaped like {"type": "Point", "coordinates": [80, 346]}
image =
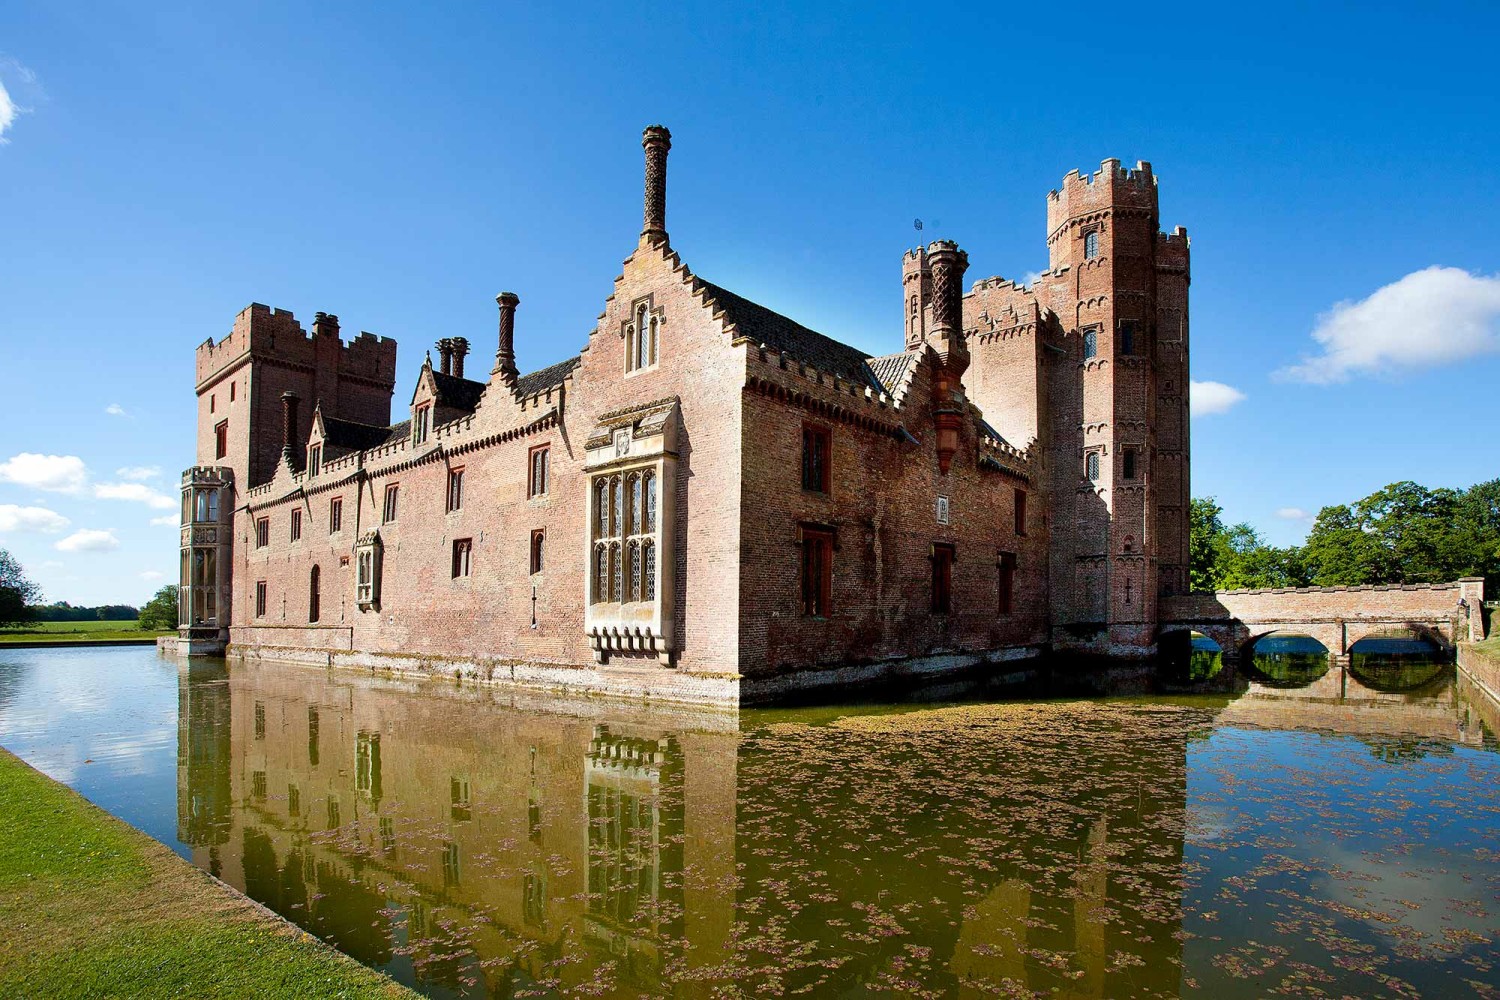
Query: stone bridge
{"type": "Point", "coordinates": [1338, 617]}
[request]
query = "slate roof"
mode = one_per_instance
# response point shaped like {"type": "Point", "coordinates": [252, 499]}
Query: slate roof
{"type": "Point", "coordinates": [761, 325]}
{"type": "Point", "coordinates": [890, 371]}
{"type": "Point", "coordinates": [547, 378]}
{"type": "Point", "coordinates": [350, 436]}
{"type": "Point", "coordinates": [459, 393]}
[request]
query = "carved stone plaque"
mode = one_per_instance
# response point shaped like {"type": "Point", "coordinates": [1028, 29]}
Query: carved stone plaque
{"type": "Point", "coordinates": [622, 441]}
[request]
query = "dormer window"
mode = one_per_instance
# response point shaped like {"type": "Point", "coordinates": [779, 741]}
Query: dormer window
{"type": "Point", "coordinates": [314, 459]}
{"type": "Point", "coordinates": [421, 423]}
{"type": "Point", "coordinates": [641, 336]}
{"type": "Point", "coordinates": [1091, 244]}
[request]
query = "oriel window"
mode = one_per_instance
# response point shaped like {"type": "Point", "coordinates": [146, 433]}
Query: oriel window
{"type": "Point", "coordinates": [625, 553]}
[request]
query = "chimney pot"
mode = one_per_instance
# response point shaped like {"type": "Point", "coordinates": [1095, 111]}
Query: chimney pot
{"type": "Point", "coordinates": [460, 351]}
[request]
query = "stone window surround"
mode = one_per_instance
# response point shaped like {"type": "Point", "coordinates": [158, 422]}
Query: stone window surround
{"type": "Point", "coordinates": [642, 311]}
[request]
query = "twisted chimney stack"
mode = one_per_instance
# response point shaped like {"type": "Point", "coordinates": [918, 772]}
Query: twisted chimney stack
{"type": "Point", "coordinates": [460, 348]}
{"type": "Point", "coordinates": [656, 140]}
{"type": "Point", "coordinates": [505, 356]}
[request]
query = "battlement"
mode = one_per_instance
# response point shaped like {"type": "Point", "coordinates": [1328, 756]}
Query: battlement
{"type": "Point", "coordinates": [263, 332]}
{"type": "Point", "coordinates": [1172, 249]}
{"type": "Point", "coordinates": [1112, 186]}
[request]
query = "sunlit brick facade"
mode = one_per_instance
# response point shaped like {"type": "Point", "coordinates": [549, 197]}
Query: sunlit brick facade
{"type": "Point", "coordinates": [711, 502]}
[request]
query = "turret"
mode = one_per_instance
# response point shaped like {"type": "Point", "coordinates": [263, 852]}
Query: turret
{"type": "Point", "coordinates": [916, 295]}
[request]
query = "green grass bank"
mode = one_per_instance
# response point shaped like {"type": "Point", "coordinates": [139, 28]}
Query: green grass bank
{"type": "Point", "coordinates": [91, 907]}
{"type": "Point", "coordinates": [76, 633]}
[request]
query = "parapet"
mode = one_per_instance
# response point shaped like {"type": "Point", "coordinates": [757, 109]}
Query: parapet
{"type": "Point", "coordinates": [264, 332]}
{"type": "Point", "coordinates": [1112, 186]}
{"type": "Point", "coordinates": [1172, 250]}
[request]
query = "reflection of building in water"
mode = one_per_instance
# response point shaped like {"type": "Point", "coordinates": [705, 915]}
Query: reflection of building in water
{"type": "Point", "coordinates": [530, 846]}
{"type": "Point", "coordinates": [204, 806]}
{"type": "Point", "coordinates": [632, 841]}
{"type": "Point", "coordinates": [484, 848]}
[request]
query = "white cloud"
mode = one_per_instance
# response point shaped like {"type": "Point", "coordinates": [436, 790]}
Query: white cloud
{"type": "Point", "coordinates": [57, 473]}
{"type": "Point", "coordinates": [1292, 514]}
{"type": "Point", "coordinates": [1205, 398]}
{"type": "Point", "coordinates": [89, 540]}
{"type": "Point", "coordinates": [1436, 316]}
{"type": "Point", "coordinates": [13, 518]}
{"type": "Point", "coordinates": [152, 574]}
{"type": "Point", "coordinates": [166, 521]}
{"type": "Point", "coordinates": [136, 473]}
{"type": "Point", "coordinates": [138, 492]}
{"type": "Point", "coordinates": [7, 113]}
{"type": "Point", "coordinates": [116, 410]}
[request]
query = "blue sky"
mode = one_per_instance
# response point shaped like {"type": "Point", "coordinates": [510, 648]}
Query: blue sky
{"type": "Point", "coordinates": [164, 165]}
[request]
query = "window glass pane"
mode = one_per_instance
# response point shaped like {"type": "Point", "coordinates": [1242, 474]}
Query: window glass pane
{"type": "Point", "coordinates": [650, 501]}
{"type": "Point", "coordinates": [649, 556]}
{"type": "Point", "coordinates": [617, 517]}
{"type": "Point", "coordinates": [1090, 343]}
{"type": "Point", "coordinates": [635, 505]}
{"type": "Point", "coordinates": [602, 503]}
{"type": "Point", "coordinates": [635, 572]}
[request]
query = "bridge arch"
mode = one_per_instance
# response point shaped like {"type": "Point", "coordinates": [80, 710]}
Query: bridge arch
{"type": "Point", "coordinates": [1286, 659]}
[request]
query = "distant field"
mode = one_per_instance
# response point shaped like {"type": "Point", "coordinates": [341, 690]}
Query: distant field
{"type": "Point", "coordinates": [75, 632]}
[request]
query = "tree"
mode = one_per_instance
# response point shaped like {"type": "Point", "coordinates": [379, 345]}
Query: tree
{"type": "Point", "coordinates": [1340, 551]}
{"type": "Point", "coordinates": [1205, 524]}
{"type": "Point", "coordinates": [161, 611]}
{"type": "Point", "coordinates": [17, 593]}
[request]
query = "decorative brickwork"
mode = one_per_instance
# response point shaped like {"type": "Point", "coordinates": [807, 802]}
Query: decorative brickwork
{"type": "Point", "coordinates": [641, 519]}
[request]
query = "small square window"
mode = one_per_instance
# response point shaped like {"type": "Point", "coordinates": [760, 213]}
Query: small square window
{"type": "Point", "coordinates": [296, 524]}
{"type": "Point", "coordinates": [388, 511]}
{"type": "Point", "coordinates": [1091, 244]}
{"type": "Point", "coordinates": [536, 480]}
{"type": "Point", "coordinates": [262, 532]}
{"type": "Point", "coordinates": [335, 515]}
{"type": "Point", "coordinates": [463, 549]}
{"type": "Point", "coordinates": [455, 490]}
{"type": "Point", "coordinates": [221, 439]}
{"type": "Point", "coordinates": [816, 450]}
{"type": "Point", "coordinates": [1090, 343]}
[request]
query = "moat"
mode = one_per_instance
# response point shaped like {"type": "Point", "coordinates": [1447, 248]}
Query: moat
{"type": "Point", "coordinates": [1288, 828]}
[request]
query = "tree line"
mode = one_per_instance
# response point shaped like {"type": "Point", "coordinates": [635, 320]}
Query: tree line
{"type": "Point", "coordinates": [19, 596]}
{"type": "Point", "coordinates": [1404, 533]}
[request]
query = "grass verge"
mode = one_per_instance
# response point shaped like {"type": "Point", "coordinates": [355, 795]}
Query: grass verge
{"type": "Point", "coordinates": [45, 632]}
{"type": "Point", "coordinates": [90, 907]}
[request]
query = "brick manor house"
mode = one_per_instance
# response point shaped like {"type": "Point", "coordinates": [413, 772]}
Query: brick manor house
{"type": "Point", "coordinates": [711, 502]}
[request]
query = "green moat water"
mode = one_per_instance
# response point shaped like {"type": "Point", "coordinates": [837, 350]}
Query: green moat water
{"type": "Point", "coordinates": [1302, 831]}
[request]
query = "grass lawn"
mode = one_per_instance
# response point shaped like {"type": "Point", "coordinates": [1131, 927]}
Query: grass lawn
{"type": "Point", "coordinates": [76, 632]}
{"type": "Point", "coordinates": [90, 907]}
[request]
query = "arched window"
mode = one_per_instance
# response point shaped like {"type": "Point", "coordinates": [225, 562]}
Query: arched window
{"type": "Point", "coordinates": [655, 333]}
{"type": "Point", "coordinates": [602, 505]}
{"type": "Point", "coordinates": [1091, 466]}
{"type": "Point", "coordinates": [601, 573]}
{"type": "Point", "coordinates": [617, 508]}
{"type": "Point", "coordinates": [650, 505]}
{"type": "Point", "coordinates": [635, 571]}
{"type": "Point", "coordinates": [313, 596]}
{"type": "Point", "coordinates": [643, 342]}
{"type": "Point", "coordinates": [1091, 244]}
{"type": "Point", "coordinates": [617, 592]}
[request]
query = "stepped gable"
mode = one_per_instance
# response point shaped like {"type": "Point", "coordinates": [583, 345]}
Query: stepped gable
{"type": "Point", "coordinates": [546, 378]}
{"type": "Point", "coordinates": [990, 434]}
{"type": "Point", "coordinates": [459, 393]}
{"type": "Point", "coordinates": [756, 323]}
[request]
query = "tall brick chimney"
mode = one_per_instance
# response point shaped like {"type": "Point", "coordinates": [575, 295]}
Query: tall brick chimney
{"type": "Point", "coordinates": [946, 338]}
{"type": "Point", "coordinates": [657, 141]}
{"type": "Point", "coordinates": [460, 348]}
{"type": "Point", "coordinates": [289, 428]}
{"type": "Point", "coordinates": [505, 356]}
{"type": "Point", "coordinates": [445, 355]}
{"type": "Point", "coordinates": [325, 325]}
